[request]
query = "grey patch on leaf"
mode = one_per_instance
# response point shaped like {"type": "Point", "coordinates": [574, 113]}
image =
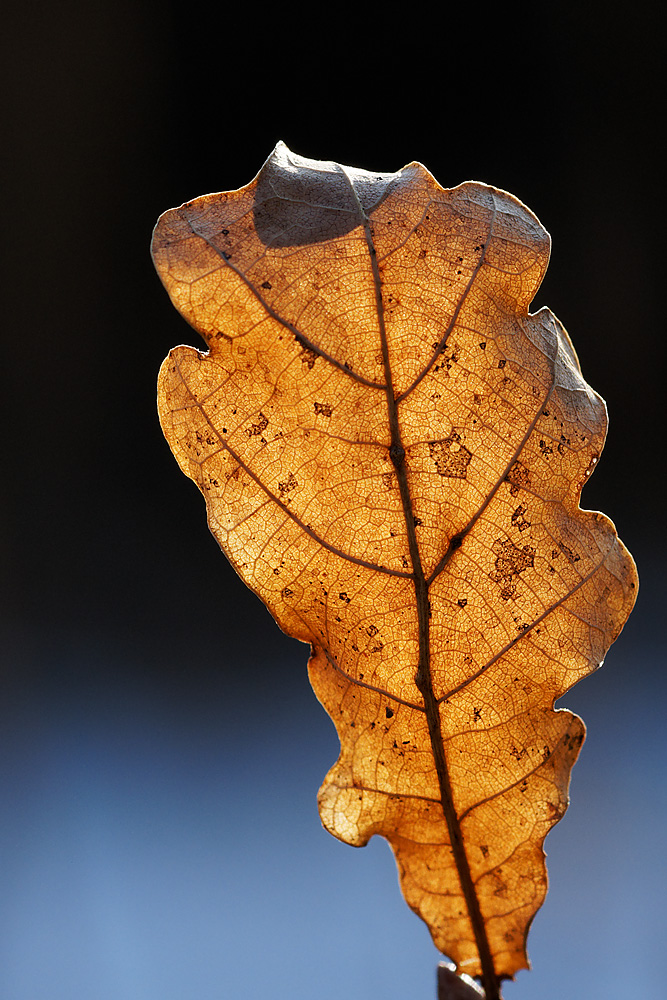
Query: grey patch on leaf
{"type": "Point", "coordinates": [300, 201]}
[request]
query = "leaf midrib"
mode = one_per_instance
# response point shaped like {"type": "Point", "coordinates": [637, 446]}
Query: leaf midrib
{"type": "Point", "coordinates": [423, 678]}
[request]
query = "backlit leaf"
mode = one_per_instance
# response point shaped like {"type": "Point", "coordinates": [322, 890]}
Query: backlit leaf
{"type": "Point", "coordinates": [392, 450]}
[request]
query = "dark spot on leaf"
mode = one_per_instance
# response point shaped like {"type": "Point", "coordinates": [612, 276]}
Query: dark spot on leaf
{"type": "Point", "coordinates": [451, 458]}
{"type": "Point", "coordinates": [397, 454]}
{"type": "Point", "coordinates": [510, 562]}
{"type": "Point", "coordinates": [518, 519]}
{"type": "Point", "coordinates": [518, 477]}
{"type": "Point", "coordinates": [568, 553]}
{"type": "Point", "coordinates": [260, 426]}
{"type": "Point", "coordinates": [289, 485]}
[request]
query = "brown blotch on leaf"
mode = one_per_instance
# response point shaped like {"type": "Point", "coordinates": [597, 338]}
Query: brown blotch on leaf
{"type": "Point", "coordinates": [519, 519]}
{"type": "Point", "coordinates": [308, 355]}
{"type": "Point", "coordinates": [259, 427]}
{"type": "Point", "coordinates": [289, 485]}
{"type": "Point", "coordinates": [518, 477]}
{"type": "Point", "coordinates": [511, 560]}
{"type": "Point", "coordinates": [450, 456]}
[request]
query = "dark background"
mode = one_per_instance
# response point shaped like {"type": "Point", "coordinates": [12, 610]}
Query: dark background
{"type": "Point", "coordinates": [160, 748]}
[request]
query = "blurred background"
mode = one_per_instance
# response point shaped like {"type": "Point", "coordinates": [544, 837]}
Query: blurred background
{"type": "Point", "coordinates": [160, 749]}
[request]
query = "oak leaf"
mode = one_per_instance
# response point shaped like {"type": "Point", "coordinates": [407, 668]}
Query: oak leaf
{"type": "Point", "coordinates": [392, 450]}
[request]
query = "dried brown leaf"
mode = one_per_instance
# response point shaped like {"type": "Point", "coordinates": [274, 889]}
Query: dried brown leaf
{"type": "Point", "coordinates": [392, 450]}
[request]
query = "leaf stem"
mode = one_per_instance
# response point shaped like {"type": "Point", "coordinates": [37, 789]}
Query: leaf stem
{"type": "Point", "coordinates": [453, 987]}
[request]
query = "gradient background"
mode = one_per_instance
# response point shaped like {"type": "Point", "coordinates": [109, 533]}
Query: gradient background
{"type": "Point", "coordinates": [161, 749]}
